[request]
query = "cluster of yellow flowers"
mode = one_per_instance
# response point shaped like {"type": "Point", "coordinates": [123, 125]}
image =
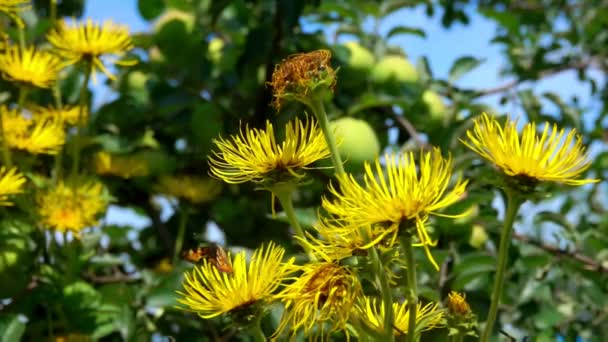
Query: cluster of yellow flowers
{"type": "Point", "coordinates": [360, 218]}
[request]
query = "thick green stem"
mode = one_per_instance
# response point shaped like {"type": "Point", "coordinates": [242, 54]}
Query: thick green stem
{"type": "Point", "coordinates": [181, 232]}
{"type": "Point", "coordinates": [59, 156]}
{"type": "Point", "coordinates": [81, 121]}
{"type": "Point", "coordinates": [6, 152]}
{"type": "Point", "coordinates": [317, 107]}
{"type": "Point", "coordinates": [513, 204]}
{"type": "Point", "coordinates": [53, 12]}
{"type": "Point", "coordinates": [256, 330]}
{"type": "Point", "coordinates": [287, 204]}
{"type": "Point", "coordinates": [412, 293]}
{"type": "Point", "coordinates": [387, 295]}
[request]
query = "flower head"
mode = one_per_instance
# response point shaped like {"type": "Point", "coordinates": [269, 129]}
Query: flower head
{"type": "Point", "coordinates": [30, 66]}
{"type": "Point", "coordinates": [210, 293]}
{"type": "Point", "coordinates": [190, 188]}
{"type": "Point", "coordinates": [11, 183]}
{"type": "Point", "coordinates": [123, 166]}
{"type": "Point", "coordinates": [12, 7]}
{"type": "Point", "coordinates": [371, 313]}
{"type": "Point", "coordinates": [552, 156]}
{"type": "Point", "coordinates": [301, 74]}
{"type": "Point", "coordinates": [324, 294]}
{"type": "Point", "coordinates": [403, 194]}
{"type": "Point", "coordinates": [34, 136]}
{"type": "Point", "coordinates": [69, 115]}
{"type": "Point", "coordinates": [72, 206]}
{"type": "Point", "coordinates": [457, 304]}
{"type": "Point", "coordinates": [254, 154]}
{"type": "Point", "coordinates": [90, 41]}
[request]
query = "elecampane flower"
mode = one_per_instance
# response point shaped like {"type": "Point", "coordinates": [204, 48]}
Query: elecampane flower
{"type": "Point", "coordinates": [31, 135]}
{"type": "Point", "coordinates": [72, 206]}
{"type": "Point", "coordinates": [69, 115]}
{"type": "Point", "coordinates": [123, 166]}
{"type": "Point", "coordinates": [11, 183]}
{"type": "Point", "coordinates": [371, 313]}
{"type": "Point", "coordinates": [552, 156]}
{"type": "Point", "coordinates": [254, 154]}
{"type": "Point", "coordinates": [210, 293]}
{"type": "Point", "coordinates": [323, 295]}
{"type": "Point", "coordinates": [12, 7]}
{"type": "Point", "coordinates": [190, 188]}
{"type": "Point", "coordinates": [30, 66]}
{"type": "Point", "coordinates": [402, 193]}
{"type": "Point", "coordinates": [457, 304]}
{"type": "Point", "coordinates": [90, 41]}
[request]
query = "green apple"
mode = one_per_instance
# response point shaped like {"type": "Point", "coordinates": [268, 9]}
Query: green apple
{"type": "Point", "coordinates": [214, 50]}
{"type": "Point", "coordinates": [359, 57]}
{"type": "Point", "coordinates": [174, 14]}
{"type": "Point", "coordinates": [393, 73]}
{"type": "Point", "coordinates": [137, 80]}
{"type": "Point", "coordinates": [478, 236]}
{"type": "Point", "coordinates": [434, 104]}
{"type": "Point", "coordinates": [357, 142]}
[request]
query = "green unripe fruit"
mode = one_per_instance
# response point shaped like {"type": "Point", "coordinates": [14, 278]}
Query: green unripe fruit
{"type": "Point", "coordinates": [137, 80]}
{"type": "Point", "coordinates": [173, 14]}
{"type": "Point", "coordinates": [393, 73]}
{"type": "Point", "coordinates": [434, 104]}
{"type": "Point", "coordinates": [478, 236]}
{"type": "Point", "coordinates": [359, 57]}
{"type": "Point", "coordinates": [156, 56]}
{"type": "Point", "coordinates": [357, 142]}
{"type": "Point", "coordinates": [214, 50]}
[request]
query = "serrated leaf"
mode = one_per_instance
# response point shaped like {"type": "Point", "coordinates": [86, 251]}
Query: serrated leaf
{"type": "Point", "coordinates": [462, 66]}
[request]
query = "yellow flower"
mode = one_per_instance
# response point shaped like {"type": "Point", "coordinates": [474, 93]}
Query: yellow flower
{"type": "Point", "coordinates": [530, 157]}
{"type": "Point", "coordinates": [210, 293]}
{"type": "Point", "coordinates": [34, 136]}
{"type": "Point", "coordinates": [371, 313]}
{"type": "Point", "coordinates": [301, 74]}
{"type": "Point", "coordinates": [120, 165]}
{"type": "Point", "coordinates": [191, 188]}
{"type": "Point", "coordinates": [457, 304]}
{"type": "Point", "coordinates": [400, 197]}
{"type": "Point", "coordinates": [11, 183]}
{"type": "Point", "coordinates": [11, 7]}
{"type": "Point", "coordinates": [72, 207]}
{"type": "Point", "coordinates": [67, 114]}
{"type": "Point", "coordinates": [254, 155]}
{"type": "Point", "coordinates": [90, 41]}
{"type": "Point", "coordinates": [30, 66]}
{"type": "Point", "coordinates": [324, 295]}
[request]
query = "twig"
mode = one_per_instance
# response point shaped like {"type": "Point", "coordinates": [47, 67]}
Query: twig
{"type": "Point", "coordinates": [590, 264]}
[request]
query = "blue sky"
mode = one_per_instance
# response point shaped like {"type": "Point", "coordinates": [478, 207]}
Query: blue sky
{"type": "Point", "coordinates": [441, 46]}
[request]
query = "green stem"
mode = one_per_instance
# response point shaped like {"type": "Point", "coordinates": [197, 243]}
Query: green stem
{"type": "Point", "coordinates": [412, 293]}
{"type": "Point", "coordinates": [22, 37]}
{"type": "Point", "coordinates": [287, 204]}
{"type": "Point", "coordinates": [387, 295]}
{"type": "Point", "coordinates": [181, 232]}
{"type": "Point", "coordinates": [256, 330]}
{"type": "Point", "coordinates": [53, 12]}
{"type": "Point", "coordinates": [317, 107]}
{"type": "Point", "coordinates": [459, 337]}
{"type": "Point", "coordinates": [513, 204]}
{"type": "Point", "coordinates": [59, 156]}
{"type": "Point", "coordinates": [22, 97]}
{"type": "Point", "coordinates": [81, 121]}
{"type": "Point", "coordinates": [6, 152]}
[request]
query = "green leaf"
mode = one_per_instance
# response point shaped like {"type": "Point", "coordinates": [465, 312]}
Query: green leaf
{"type": "Point", "coordinates": [462, 66]}
{"type": "Point", "coordinates": [150, 9]}
{"type": "Point", "coordinates": [472, 266]}
{"type": "Point", "coordinates": [400, 29]}
{"type": "Point", "coordinates": [12, 327]}
{"type": "Point", "coordinates": [206, 124]}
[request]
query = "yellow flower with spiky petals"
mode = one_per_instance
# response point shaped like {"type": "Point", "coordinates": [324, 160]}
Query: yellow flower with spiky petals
{"type": "Point", "coordinates": [254, 154]}
{"type": "Point", "coordinates": [552, 156]}
{"type": "Point", "coordinates": [11, 183]}
{"type": "Point", "coordinates": [69, 115]}
{"type": "Point", "coordinates": [12, 7]}
{"type": "Point", "coordinates": [457, 304]}
{"type": "Point", "coordinates": [33, 136]}
{"type": "Point", "coordinates": [404, 194]}
{"type": "Point", "coordinates": [124, 166]}
{"type": "Point", "coordinates": [370, 312]}
{"type": "Point", "coordinates": [72, 206]}
{"type": "Point", "coordinates": [323, 296]}
{"type": "Point", "coordinates": [210, 293]}
{"type": "Point", "coordinates": [190, 188]}
{"type": "Point", "coordinates": [30, 66]}
{"type": "Point", "coordinates": [90, 41]}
